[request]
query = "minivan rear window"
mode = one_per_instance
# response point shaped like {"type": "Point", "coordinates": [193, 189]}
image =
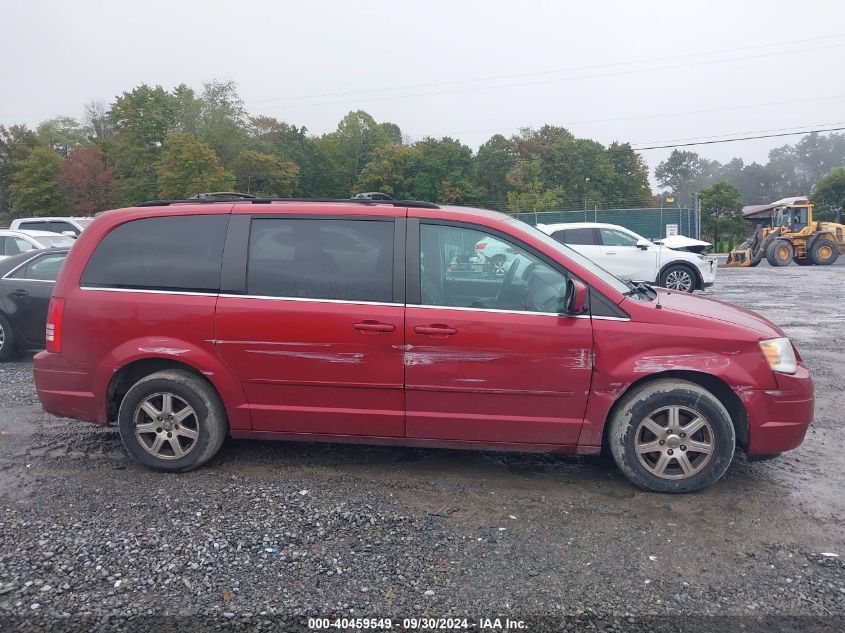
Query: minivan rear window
{"type": "Point", "coordinates": [321, 259]}
{"type": "Point", "coordinates": [167, 253]}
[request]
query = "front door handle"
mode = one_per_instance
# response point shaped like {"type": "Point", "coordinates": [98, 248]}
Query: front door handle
{"type": "Point", "coordinates": [374, 326]}
{"type": "Point", "coordinates": [435, 330]}
{"type": "Point", "coordinates": [610, 252]}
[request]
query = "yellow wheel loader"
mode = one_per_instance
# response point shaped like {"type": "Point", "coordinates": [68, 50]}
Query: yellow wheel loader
{"type": "Point", "coordinates": [792, 236]}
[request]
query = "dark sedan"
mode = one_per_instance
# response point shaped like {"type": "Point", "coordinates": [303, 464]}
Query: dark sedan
{"type": "Point", "coordinates": [26, 283]}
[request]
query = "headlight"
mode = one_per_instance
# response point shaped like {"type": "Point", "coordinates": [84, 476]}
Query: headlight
{"type": "Point", "coordinates": [780, 355]}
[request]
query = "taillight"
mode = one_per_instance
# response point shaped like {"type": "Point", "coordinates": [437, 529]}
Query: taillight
{"type": "Point", "coordinates": [54, 324]}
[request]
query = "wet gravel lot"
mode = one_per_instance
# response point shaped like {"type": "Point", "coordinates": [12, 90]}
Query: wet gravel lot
{"type": "Point", "coordinates": [270, 534]}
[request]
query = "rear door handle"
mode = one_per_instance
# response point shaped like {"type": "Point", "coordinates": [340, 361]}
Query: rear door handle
{"type": "Point", "coordinates": [435, 330]}
{"type": "Point", "coordinates": [610, 252]}
{"type": "Point", "coordinates": [374, 326]}
{"type": "Point", "coordinates": [18, 294]}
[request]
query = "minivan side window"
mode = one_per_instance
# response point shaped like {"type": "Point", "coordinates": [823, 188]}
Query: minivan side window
{"type": "Point", "coordinates": [584, 237]}
{"type": "Point", "coordinates": [321, 259]}
{"type": "Point", "coordinates": [467, 268]}
{"type": "Point", "coordinates": [179, 253]}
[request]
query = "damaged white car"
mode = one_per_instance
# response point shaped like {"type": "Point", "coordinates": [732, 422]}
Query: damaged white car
{"type": "Point", "coordinates": [673, 264]}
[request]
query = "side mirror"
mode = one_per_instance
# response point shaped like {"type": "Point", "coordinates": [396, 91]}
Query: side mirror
{"type": "Point", "coordinates": [579, 297]}
{"type": "Point", "coordinates": [642, 244]}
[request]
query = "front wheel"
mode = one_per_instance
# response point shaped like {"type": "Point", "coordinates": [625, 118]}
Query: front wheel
{"type": "Point", "coordinates": [678, 278]}
{"type": "Point", "coordinates": [780, 253]}
{"type": "Point", "coordinates": [172, 420]}
{"type": "Point", "coordinates": [672, 436]}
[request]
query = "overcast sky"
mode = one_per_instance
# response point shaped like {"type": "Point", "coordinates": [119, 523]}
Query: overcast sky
{"type": "Point", "coordinates": [644, 72]}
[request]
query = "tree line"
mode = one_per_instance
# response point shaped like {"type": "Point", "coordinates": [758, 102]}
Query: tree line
{"type": "Point", "coordinates": [151, 143]}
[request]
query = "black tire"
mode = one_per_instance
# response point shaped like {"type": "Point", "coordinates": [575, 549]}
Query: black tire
{"type": "Point", "coordinates": [806, 261]}
{"type": "Point", "coordinates": [824, 252]}
{"type": "Point", "coordinates": [754, 262]}
{"type": "Point", "coordinates": [780, 253]}
{"type": "Point", "coordinates": [645, 406]}
{"type": "Point", "coordinates": [208, 422]}
{"type": "Point", "coordinates": [679, 277]}
{"type": "Point", "coordinates": [8, 339]}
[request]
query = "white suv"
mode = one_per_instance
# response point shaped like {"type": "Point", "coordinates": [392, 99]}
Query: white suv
{"type": "Point", "coordinates": [631, 256]}
{"type": "Point", "coordinates": [66, 225]}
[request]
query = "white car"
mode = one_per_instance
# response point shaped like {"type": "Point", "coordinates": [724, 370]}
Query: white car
{"type": "Point", "coordinates": [630, 256]}
{"type": "Point", "coordinates": [64, 225]}
{"type": "Point", "coordinates": [17, 242]}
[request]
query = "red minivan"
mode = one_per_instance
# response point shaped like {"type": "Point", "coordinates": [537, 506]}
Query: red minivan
{"type": "Point", "coordinates": [379, 322]}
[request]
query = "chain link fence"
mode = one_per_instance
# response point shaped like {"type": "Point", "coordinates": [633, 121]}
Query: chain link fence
{"type": "Point", "coordinates": [651, 223]}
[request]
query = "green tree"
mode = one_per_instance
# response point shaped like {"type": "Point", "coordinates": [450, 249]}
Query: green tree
{"type": "Point", "coordinates": [189, 166]}
{"type": "Point", "coordinates": [344, 153]}
{"type": "Point", "coordinates": [63, 134]}
{"type": "Point", "coordinates": [684, 173]}
{"type": "Point", "coordinates": [392, 171]}
{"type": "Point", "coordinates": [445, 171]}
{"type": "Point", "coordinates": [629, 184]}
{"type": "Point", "coordinates": [494, 160]}
{"type": "Point", "coordinates": [140, 121]}
{"type": "Point", "coordinates": [16, 142]}
{"type": "Point", "coordinates": [265, 175]}
{"type": "Point", "coordinates": [35, 186]}
{"type": "Point", "coordinates": [829, 194]}
{"type": "Point", "coordinates": [528, 192]}
{"type": "Point", "coordinates": [222, 119]}
{"type": "Point", "coordinates": [721, 211]}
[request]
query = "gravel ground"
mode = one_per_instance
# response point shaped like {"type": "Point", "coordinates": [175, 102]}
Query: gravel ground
{"type": "Point", "coordinates": [270, 534]}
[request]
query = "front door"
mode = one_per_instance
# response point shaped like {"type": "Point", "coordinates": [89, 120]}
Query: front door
{"type": "Point", "coordinates": [489, 356]}
{"type": "Point", "coordinates": [317, 338]}
{"type": "Point", "coordinates": [622, 256]}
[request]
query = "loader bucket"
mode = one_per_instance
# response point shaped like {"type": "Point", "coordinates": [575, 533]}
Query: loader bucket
{"type": "Point", "coordinates": [739, 257]}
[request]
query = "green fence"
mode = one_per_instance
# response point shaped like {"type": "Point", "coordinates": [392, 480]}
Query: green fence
{"type": "Point", "coordinates": [650, 223]}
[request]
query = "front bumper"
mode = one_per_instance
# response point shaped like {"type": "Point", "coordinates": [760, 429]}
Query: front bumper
{"type": "Point", "coordinates": [707, 268]}
{"type": "Point", "coordinates": [778, 419]}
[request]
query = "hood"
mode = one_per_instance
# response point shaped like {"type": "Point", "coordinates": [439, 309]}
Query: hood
{"type": "Point", "coordinates": [681, 242]}
{"type": "Point", "coordinates": [712, 309]}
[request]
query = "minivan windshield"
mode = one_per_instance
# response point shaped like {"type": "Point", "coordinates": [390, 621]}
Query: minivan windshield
{"type": "Point", "coordinates": [578, 258]}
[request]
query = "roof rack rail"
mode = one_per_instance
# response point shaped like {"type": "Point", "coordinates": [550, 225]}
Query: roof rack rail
{"type": "Point", "coordinates": [222, 195]}
{"type": "Point", "coordinates": [417, 204]}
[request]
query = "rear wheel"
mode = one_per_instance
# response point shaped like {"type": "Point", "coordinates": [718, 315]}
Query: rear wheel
{"type": "Point", "coordinates": [678, 278]}
{"type": "Point", "coordinates": [172, 420]}
{"type": "Point", "coordinates": [8, 340]}
{"type": "Point", "coordinates": [672, 436]}
{"type": "Point", "coordinates": [780, 253]}
{"type": "Point", "coordinates": [824, 252]}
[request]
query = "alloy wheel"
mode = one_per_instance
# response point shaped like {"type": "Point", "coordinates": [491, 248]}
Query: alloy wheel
{"type": "Point", "coordinates": [679, 280]}
{"type": "Point", "coordinates": [166, 426]}
{"type": "Point", "coordinates": [674, 442]}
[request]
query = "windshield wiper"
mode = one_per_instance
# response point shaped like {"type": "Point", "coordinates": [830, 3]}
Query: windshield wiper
{"type": "Point", "coordinates": [640, 289]}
